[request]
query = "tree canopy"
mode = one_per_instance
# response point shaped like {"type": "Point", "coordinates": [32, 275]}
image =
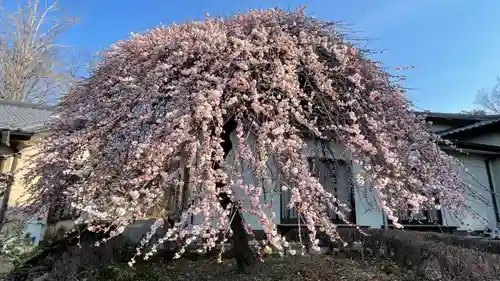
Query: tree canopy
{"type": "Point", "coordinates": [173, 94]}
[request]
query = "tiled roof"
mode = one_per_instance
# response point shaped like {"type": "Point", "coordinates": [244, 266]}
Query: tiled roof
{"type": "Point", "coordinates": [475, 117]}
{"type": "Point", "coordinates": [24, 117]}
{"type": "Point", "coordinates": [469, 127]}
{"type": "Point", "coordinates": [32, 118]}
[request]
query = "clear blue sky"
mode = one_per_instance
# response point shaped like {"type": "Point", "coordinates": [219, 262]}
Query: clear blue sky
{"type": "Point", "coordinates": [455, 43]}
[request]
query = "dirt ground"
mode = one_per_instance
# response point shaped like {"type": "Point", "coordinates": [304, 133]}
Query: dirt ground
{"type": "Point", "coordinates": [312, 268]}
{"type": "Point", "coordinates": [393, 255]}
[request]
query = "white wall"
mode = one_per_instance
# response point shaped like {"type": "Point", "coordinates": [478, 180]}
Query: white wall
{"type": "Point", "coordinates": [367, 210]}
{"type": "Point", "coordinates": [488, 139]}
{"type": "Point", "coordinates": [495, 174]}
{"type": "Point", "coordinates": [439, 127]}
{"type": "Point", "coordinates": [478, 179]}
{"type": "Point", "coordinates": [270, 194]}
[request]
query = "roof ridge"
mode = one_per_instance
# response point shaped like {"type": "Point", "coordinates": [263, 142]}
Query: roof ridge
{"type": "Point", "coordinates": [458, 115]}
{"type": "Point", "coordinates": [468, 127]}
{"type": "Point", "coordinates": [28, 105]}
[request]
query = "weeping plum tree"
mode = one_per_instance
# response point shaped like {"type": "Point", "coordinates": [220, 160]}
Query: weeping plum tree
{"type": "Point", "coordinates": [157, 114]}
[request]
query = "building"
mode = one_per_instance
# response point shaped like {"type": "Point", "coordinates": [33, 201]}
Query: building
{"type": "Point", "coordinates": [478, 138]}
{"type": "Point", "coordinates": [476, 135]}
{"type": "Point", "coordinates": [20, 124]}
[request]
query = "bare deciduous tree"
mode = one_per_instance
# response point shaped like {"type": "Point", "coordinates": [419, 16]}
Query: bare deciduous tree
{"type": "Point", "coordinates": [32, 64]}
{"type": "Point", "coordinates": [475, 112]}
{"type": "Point", "coordinates": [490, 99]}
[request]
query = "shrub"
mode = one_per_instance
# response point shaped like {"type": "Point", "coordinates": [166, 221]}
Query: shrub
{"type": "Point", "coordinates": [432, 259]}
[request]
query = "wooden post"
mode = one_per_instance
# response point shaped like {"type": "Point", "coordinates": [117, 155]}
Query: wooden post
{"type": "Point", "coordinates": [10, 180]}
{"type": "Point", "coordinates": [5, 201]}
{"type": "Point", "coordinates": [386, 225]}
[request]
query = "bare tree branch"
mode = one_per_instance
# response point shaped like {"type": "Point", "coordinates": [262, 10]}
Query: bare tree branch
{"type": "Point", "coordinates": [490, 99]}
{"type": "Point", "coordinates": [32, 66]}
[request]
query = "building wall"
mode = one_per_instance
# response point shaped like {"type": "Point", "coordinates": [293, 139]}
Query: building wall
{"type": "Point", "coordinates": [495, 174]}
{"type": "Point", "coordinates": [270, 196]}
{"type": "Point", "coordinates": [479, 198]}
{"type": "Point", "coordinates": [439, 127]}
{"type": "Point", "coordinates": [33, 226]}
{"type": "Point", "coordinates": [492, 139]}
{"type": "Point", "coordinates": [368, 212]}
{"type": "Point", "coordinates": [488, 139]}
{"type": "Point", "coordinates": [18, 193]}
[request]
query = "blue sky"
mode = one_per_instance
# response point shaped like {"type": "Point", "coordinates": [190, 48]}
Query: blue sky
{"type": "Point", "coordinates": [454, 43]}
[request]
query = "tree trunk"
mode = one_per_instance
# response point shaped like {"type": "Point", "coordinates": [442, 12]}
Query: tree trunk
{"type": "Point", "coordinates": [245, 258]}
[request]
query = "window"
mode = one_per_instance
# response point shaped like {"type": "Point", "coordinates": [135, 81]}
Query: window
{"type": "Point", "coordinates": [426, 216]}
{"type": "Point", "coordinates": [335, 176]}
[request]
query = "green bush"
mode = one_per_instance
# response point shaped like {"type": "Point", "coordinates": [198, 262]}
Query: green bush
{"type": "Point", "coordinates": [17, 248]}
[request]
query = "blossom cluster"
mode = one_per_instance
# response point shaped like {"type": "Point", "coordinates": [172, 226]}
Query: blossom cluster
{"type": "Point", "coordinates": [163, 97]}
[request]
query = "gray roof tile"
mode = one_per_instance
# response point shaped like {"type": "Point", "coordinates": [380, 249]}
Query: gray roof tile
{"type": "Point", "coordinates": [24, 117]}
{"type": "Point", "coordinates": [469, 127]}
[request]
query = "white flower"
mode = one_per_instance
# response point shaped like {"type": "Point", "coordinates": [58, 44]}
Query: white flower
{"type": "Point", "coordinates": [292, 252]}
{"type": "Point", "coordinates": [134, 194]}
{"type": "Point", "coordinates": [397, 225]}
{"type": "Point", "coordinates": [120, 212]}
{"type": "Point", "coordinates": [120, 229]}
{"type": "Point", "coordinates": [267, 250]}
{"type": "Point", "coordinates": [278, 131]}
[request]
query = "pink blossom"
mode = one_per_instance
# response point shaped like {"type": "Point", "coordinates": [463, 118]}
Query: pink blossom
{"type": "Point", "coordinates": [153, 115]}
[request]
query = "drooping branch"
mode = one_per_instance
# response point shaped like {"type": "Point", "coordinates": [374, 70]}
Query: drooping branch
{"type": "Point", "coordinates": [283, 80]}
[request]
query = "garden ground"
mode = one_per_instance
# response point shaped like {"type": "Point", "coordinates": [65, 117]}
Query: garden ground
{"type": "Point", "coordinates": [392, 255]}
{"type": "Point", "coordinates": [315, 268]}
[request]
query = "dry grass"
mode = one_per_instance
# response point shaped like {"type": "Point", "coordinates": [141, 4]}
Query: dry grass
{"type": "Point", "coordinates": [393, 255]}
{"type": "Point", "coordinates": [316, 268]}
{"type": "Point", "coordinates": [432, 256]}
